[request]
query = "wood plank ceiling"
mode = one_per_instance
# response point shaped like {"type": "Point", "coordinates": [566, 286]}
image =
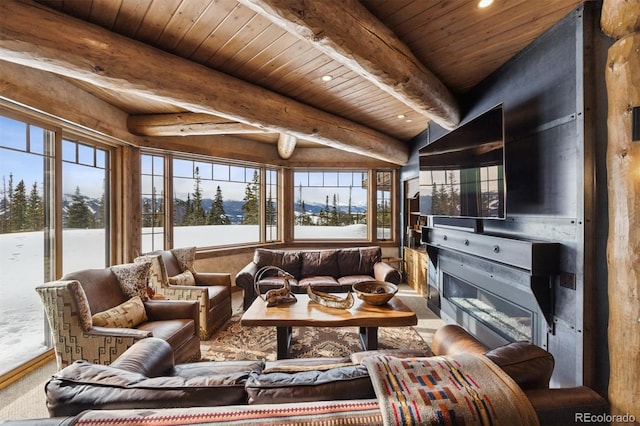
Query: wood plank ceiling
{"type": "Point", "coordinates": [458, 42]}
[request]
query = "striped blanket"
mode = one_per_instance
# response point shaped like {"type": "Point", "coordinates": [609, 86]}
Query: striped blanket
{"type": "Point", "coordinates": [465, 389]}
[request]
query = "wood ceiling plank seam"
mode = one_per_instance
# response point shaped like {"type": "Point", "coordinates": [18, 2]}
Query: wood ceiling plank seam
{"type": "Point", "coordinates": [320, 66]}
{"type": "Point", "coordinates": [181, 22]}
{"type": "Point", "coordinates": [494, 41]}
{"type": "Point", "coordinates": [272, 62]}
{"type": "Point", "coordinates": [130, 17]}
{"type": "Point", "coordinates": [245, 56]}
{"type": "Point", "coordinates": [257, 45]}
{"type": "Point", "coordinates": [435, 16]}
{"type": "Point", "coordinates": [78, 9]}
{"type": "Point", "coordinates": [303, 77]}
{"type": "Point", "coordinates": [396, 17]}
{"type": "Point", "coordinates": [289, 69]}
{"type": "Point", "coordinates": [207, 26]}
{"type": "Point", "coordinates": [156, 20]}
{"type": "Point", "coordinates": [104, 12]}
{"type": "Point", "coordinates": [228, 30]}
{"type": "Point", "coordinates": [515, 17]}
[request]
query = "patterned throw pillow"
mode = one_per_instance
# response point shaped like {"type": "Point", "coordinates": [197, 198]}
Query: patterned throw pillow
{"type": "Point", "coordinates": [126, 315]}
{"type": "Point", "coordinates": [185, 278]}
{"type": "Point", "coordinates": [157, 278]}
{"type": "Point", "coordinates": [133, 278]}
{"type": "Point", "coordinates": [185, 257]}
{"type": "Point", "coordinates": [84, 312]}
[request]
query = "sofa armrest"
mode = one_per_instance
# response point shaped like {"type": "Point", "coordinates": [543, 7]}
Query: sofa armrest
{"type": "Point", "coordinates": [172, 309]}
{"type": "Point", "coordinates": [385, 272]}
{"type": "Point", "coordinates": [213, 278]}
{"type": "Point", "coordinates": [452, 339]}
{"type": "Point", "coordinates": [244, 280]}
{"type": "Point", "coordinates": [528, 365]}
{"type": "Point", "coordinates": [118, 332]}
{"type": "Point", "coordinates": [568, 406]}
{"type": "Point", "coordinates": [152, 357]}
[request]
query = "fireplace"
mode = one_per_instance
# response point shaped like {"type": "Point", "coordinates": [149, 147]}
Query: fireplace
{"type": "Point", "coordinates": [498, 292]}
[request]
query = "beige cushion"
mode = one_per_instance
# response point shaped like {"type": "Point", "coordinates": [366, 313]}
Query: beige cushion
{"type": "Point", "coordinates": [185, 278]}
{"type": "Point", "coordinates": [126, 315]}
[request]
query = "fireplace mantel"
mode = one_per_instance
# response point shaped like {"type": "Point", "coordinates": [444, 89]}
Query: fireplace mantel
{"type": "Point", "coordinates": [536, 257]}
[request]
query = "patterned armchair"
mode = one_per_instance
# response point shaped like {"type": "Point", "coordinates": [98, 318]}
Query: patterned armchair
{"type": "Point", "coordinates": [173, 275]}
{"type": "Point", "coordinates": [77, 303]}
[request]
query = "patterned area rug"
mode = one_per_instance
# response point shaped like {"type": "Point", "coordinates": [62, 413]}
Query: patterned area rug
{"type": "Point", "coordinates": [235, 342]}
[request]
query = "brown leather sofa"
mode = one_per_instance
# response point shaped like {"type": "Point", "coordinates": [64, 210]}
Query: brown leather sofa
{"type": "Point", "coordinates": [145, 377]}
{"type": "Point", "coordinates": [70, 303]}
{"type": "Point", "coordinates": [332, 271]}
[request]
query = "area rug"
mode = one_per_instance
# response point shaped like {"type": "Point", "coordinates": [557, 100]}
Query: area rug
{"type": "Point", "coordinates": [235, 342]}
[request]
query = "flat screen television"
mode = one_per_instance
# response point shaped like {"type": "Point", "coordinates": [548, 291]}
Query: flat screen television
{"type": "Point", "coordinates": [462, 173]}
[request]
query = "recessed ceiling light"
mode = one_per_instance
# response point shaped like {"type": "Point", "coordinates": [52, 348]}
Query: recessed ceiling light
{"type": "Point", "coordinates": [327, 78]}
{"type": "Point", "coordinates": [484, 3]}
{"type": "Point", "coordinates": [408, 120]}
{"type": "Point", "coordinates": [401, 116]}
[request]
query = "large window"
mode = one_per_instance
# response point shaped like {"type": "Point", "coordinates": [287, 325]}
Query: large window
{"type": "Point", "coordinates": [384, 212]}
{"type": "Point", "coordinates": [213, 203]}
{"type": "Point", "coordinates": [26, 157]}
{"type": "Point", "coordinates": [85, 172]}
{"type": "Point", "coordinates": [331, 205]}
{"type": "Point", "coordinates": [153, 202]}
{"type": "Point", "coordinates": [54, 205]}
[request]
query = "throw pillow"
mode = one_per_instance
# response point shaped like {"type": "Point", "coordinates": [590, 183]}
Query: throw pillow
{"type": "Point", "coordinates": [185, 256]}
{"type": "Point", "coordinates": [84, 311]}
{"type": "Point", "coordinates": [126, 315]}
{"type": "Point", "coordinates": [133, 278]}
{"type": "Point", "coordinates": [157, 278]}
{"type": "Point", "coordinates": [185, 278]}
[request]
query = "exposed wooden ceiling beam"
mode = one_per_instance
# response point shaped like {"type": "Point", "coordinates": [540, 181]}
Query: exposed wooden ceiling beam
{"type": "Point", "coordinates": [41, 38]}
{"type": "Point", "coordinates": [345, 31]}
{"type": "Point", "coordinates": [186, 124]}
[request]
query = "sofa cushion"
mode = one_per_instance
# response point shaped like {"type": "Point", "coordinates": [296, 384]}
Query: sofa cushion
{"type": "Point", "coordinates": [319, 263]}
{"type": "Point", "coordinates": [358, 260]}
{"type": "Point", "coordinates": [126, 315]}
{"type": "Point", "coordinates": [133, 278]}
{"type": "Point", "coordinates": [350, 280]}
{"type": "Point", "coordinates": [320, 283]}
{"type": "Point", "coordinates": [83, 386]}
{"type": "Point", "coordinates": [335, 383]}
{"type": "Point", "coordinates": [185, 278]}
{"type": "Point", "coordinates": [287, 260]}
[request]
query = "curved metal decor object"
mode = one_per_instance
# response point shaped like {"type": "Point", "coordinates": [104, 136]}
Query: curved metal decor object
{"type": "Point", "coordinates": [277, 296]}
{"type": "Point", "coordinates": [330, 300]}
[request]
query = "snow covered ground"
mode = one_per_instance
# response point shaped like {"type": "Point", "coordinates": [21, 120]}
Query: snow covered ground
{"type": "Point", "coordinates": [21, 271]}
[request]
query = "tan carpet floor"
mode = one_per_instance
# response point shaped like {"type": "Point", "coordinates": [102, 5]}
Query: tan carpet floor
{"type": "Point", "coordinates": [25, 398]}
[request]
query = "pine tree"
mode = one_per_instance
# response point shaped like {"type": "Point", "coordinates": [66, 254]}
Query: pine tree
{"type": "Point", "coordinates": [19, 208]}
{"type": "Point", "coordinates": [4, 208]}
{"type": "Point", "coordinates": [251, 208]}
{"type": "Point", "coordinates": [334, 219]}
{"type": "Point", "coordinates": [271, 210]}
{"type": "Point", "coordinates": [78, 213]}
{"type": "Point", "coordinates": [196, 215]}
{"type": "Point", "coordinates": [35, 215]}
{"type": "Point", "coordinates": [217, 215]}
{"type": "Point", "coordinates": [188, 212]}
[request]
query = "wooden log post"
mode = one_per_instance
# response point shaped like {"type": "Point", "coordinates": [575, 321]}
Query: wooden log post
{"type": "Point", "coordinates": [620, 20]}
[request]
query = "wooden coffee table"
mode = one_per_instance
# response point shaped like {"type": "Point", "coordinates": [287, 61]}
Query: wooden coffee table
{"type": "Point", "coordinates": [305, 312]}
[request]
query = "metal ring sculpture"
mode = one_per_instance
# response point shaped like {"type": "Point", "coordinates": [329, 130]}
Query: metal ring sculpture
{"type": "Point", "coordinates": [275, 296]}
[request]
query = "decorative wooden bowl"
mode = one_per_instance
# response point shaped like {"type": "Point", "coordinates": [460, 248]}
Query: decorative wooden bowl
{"type": "Point", "coordinates": [375, 292]}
